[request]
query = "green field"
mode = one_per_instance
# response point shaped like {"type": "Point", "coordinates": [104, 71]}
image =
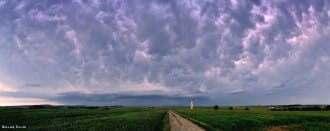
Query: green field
{"type": "Point", "coordinates": [154, 119]}
{"type": "Point", "coordinates": [258, 119]}
{"type": "Point", "coordinates": [113, 119]}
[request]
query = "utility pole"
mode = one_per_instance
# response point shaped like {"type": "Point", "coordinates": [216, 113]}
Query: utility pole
{"type": "Point", "coordinates": [191, 104]}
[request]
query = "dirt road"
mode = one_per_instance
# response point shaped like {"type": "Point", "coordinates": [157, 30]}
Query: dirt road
{"type": "Point", "coordinates": [178, 123]}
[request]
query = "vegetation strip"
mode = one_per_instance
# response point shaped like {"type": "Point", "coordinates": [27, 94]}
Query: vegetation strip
{"type": "Point", "coordinates": [165, 122]}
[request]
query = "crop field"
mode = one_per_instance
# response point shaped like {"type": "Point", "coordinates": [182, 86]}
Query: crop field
{"type": "Point", "coordinates": [156, 119]}
{"type": "Point", "coordinates": [258, 119]}
{"type": "Point", "coordinates": [121, 119]}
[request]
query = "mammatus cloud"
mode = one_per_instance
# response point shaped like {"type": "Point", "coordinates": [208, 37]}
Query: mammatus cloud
{"type": "Point", "coordinates": [223, 52]}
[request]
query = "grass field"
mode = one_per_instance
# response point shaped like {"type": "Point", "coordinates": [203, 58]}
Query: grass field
{"type": "Point", "coordinates": [258, 119]}
{"type": "Point", "coordinates": [156, 119]}
{"type": "Point", "coordinates": [114, 119]}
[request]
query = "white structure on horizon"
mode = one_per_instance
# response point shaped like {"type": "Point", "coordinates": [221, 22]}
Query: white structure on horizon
{"type": "Point", "coordinates": [191, 104]}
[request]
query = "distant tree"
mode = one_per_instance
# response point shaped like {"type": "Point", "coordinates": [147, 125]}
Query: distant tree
{"type": "Point", "coordinates": [231, 108]}
{"type": "Point", "coordinates": [311, 108]}
{"type": "Point", "coordinates": [327, 108]}
{"type": "Point", "coordinates": [216, 107]}
{"type": "Point", "coordinates": [294, 109]}
{"type": "Point", "coordinates": [246, 108]}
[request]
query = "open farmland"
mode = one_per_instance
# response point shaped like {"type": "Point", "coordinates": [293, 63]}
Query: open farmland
{"type": "Point", "coordinates": [120, 119]}
{"type": "Point", "coordinates": [157, 119]}
{"type": "Point", "coordinates": [258, 119]}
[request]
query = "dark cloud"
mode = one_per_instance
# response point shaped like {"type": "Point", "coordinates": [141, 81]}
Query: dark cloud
{"type": "Point", "coordinates": [237, 92]}
{"type": "Point", "coordinates": [128, 99]}
{"type": "Point", "coordinates": [31, 85]}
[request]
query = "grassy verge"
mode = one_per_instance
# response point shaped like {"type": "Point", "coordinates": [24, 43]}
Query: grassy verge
{"type": "Point", "coordinates": [165, 123]}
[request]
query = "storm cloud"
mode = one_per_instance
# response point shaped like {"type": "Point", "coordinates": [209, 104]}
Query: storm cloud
{"type": "Point", "coordinates": [125, 52]}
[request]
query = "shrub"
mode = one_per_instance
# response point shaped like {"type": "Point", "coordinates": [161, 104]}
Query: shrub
{"type": "Point", "coordinates": [274, 109]}
{"type": "Point", "coordinates": [246, 108]}
{"type": "Point", "coordinates": [216, 107]}
{"type": "Point", "coordinates": [231, 108]}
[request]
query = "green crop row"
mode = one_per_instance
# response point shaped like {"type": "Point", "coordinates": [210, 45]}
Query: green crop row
{"type": "Point", "coordinates": [229, 120]}
{"type": "Point", "coordinates": [114, 119]}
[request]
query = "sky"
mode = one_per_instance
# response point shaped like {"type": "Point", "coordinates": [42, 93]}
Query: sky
{"type": "Point", "coordinates": [164, 52]}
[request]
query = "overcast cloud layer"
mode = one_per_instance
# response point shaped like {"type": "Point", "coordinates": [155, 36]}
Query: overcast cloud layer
{"type": "Point", "coordinates": [129, 52]}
